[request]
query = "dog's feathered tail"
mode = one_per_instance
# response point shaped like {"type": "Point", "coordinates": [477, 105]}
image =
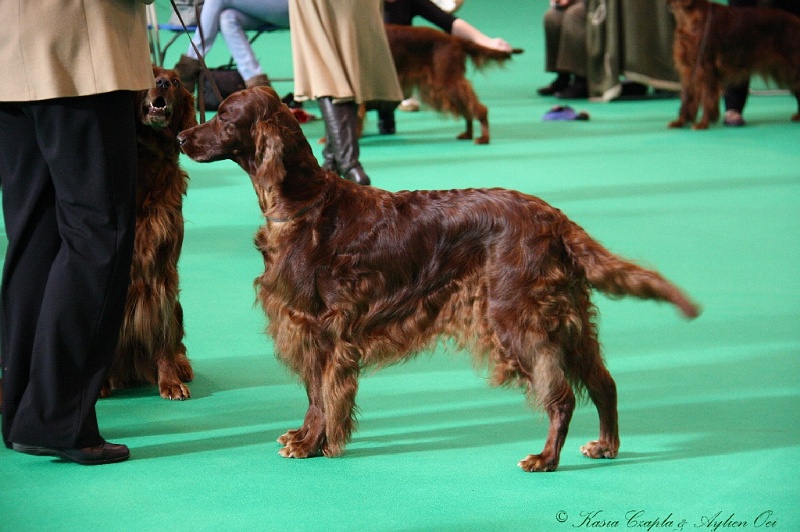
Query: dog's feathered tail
{"type": "Point", "coordinates": [618, 277]}
{"type": "Point", "coordinates": [482, 56]}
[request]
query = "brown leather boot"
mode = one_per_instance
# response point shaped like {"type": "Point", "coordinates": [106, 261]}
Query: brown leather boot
{"type": "Point", "coordinates": [188, 69]}
{"type": "Point", "coordinates": [260, 80]}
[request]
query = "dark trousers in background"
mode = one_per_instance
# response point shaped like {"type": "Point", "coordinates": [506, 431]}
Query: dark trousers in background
{"type": "Point", "coordinates": [68, 171]}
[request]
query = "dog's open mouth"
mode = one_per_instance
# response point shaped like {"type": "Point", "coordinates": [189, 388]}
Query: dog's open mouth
{"type": "Point", "coordinates": [157, 112]}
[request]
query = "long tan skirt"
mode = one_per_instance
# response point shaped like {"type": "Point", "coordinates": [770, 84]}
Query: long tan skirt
{"type": "Point", "coordinates": [340, 51]}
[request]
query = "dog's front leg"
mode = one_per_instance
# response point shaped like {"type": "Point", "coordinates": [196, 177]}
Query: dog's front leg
{"type": "Point", "coordinates": [308, 440]}
{"type": "Point", "coordinates": [340, 385]}
{"type": "Point", "coordinates": [170, 385]}
{"type": "Point", "coordinates": [688, 109]}
{"type": "Point", "coordinates": [711, 90]}
{"type": "Point", "coordinates": [174, 368]}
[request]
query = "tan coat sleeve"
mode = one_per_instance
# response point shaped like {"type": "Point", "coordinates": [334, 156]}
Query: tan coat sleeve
{"type": "Point", "coordinates": [62, 48]}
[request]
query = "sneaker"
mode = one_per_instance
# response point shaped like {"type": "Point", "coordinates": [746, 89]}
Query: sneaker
{"type": "Point", "coordinates": [410, 105]}
{"type": "Point", "coordinates": [733, 118]}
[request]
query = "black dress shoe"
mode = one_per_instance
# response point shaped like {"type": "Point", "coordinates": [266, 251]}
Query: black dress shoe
{"type": "Point", "coordinates": [105, 453]}
{"type": "Point", "coordinates": [558, 84]}
{"type": "Point", "coordinates": [576, 91]}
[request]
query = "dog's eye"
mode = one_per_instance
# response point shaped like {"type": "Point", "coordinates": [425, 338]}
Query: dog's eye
{"type": "Point", "coordinates": [176, 82]}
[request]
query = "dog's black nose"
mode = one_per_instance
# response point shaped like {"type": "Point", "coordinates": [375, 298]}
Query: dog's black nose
{"type": "Point", "coordinates": [162, 83]}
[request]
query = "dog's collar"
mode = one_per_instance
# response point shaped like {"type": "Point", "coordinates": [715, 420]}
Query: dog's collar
{"type": "Point", "coordinates": [293, 216]}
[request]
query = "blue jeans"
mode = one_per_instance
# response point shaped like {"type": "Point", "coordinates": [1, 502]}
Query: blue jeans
{"type": "Point", "coordinates": [232, 18]}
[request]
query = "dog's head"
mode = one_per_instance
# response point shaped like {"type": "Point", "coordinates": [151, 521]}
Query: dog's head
{"type": "Point", "coordinates": [256, 130]}
{"type": "Point", "coordinates": [167, 106]}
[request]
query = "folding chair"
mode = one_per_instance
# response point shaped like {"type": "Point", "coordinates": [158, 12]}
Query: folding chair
{"type": "Point", "coordinates": [158, 51]}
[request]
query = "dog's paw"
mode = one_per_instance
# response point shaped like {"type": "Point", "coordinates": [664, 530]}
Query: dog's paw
{"type": "Point", "coordinates": [599, 449]}
{"type": "Point", "coordinates": [287, 437]}
{"type": "Point", "coordinates": [295, 449]}
{"type": "Point", "coordinates": [465, 136]}
{"type": "Point", "coordinates": [676, 124]}
{"type": "Point", "coordinates": [796, 117]}
{"type": "Point", "coordinates": [538, 463]}
{"type": "Point", "coordinates": [174, 391]}
{"type": "Point", "coordinates": [482, 140]}
{"type": "Point", "coordinates": [299, 444]}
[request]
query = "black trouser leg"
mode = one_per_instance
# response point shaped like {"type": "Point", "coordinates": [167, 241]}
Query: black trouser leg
{"type": "Point", "coordinates": [69, 174]}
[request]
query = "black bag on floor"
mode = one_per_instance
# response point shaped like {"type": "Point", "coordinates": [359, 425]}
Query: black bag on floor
{"type": "Point", "coordinates": [228, 81]}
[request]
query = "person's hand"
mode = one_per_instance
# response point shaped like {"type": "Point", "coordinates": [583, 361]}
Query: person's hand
{"type": "Point", "coordinates": [498, 44]}
{"type": "Point", "coordinates": [560, 4]}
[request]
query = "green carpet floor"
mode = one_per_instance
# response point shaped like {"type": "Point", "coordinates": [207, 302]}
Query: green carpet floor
{"type": "Point", "coordinates": [709, 409]}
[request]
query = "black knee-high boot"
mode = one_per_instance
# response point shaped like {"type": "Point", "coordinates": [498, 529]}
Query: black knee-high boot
{"type": "Point", "coordinates": [341, 132]}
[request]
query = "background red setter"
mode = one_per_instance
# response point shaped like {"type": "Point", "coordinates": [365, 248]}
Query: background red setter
{"type": "Point", "coordinates": [151, 348]}
{"type": "Point", "coordinates": [435, 63]}
{"type": "Point", "coordinates": [716, 45]}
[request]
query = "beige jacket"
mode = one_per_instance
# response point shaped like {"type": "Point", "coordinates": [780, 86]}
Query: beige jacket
{"type": "Point", "coordinates": [59, 48]}
{"type": "Point", "coordinates": [340, 50]}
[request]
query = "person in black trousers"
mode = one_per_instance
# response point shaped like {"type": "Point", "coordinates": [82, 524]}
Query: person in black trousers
{"type": "Point", "coordinates": [736, 95]}
{"type": "Point", "coordinates": [68, 172]}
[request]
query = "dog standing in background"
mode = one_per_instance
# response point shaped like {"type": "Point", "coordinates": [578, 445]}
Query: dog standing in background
{"type": "Point", "coordinates": [434, 62]}
{"type": "Point", "coordinates": [150, 348]}
{"type": "Point", "coordinates": [717, 45]}
{"type": "Point", "coordinates": [357, 277]}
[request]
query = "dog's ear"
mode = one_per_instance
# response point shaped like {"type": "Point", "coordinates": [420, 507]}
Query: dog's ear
{"type": "Point", "coordinates": [295, 144]}
{"type": "Point", "coordinates": [269, 151]}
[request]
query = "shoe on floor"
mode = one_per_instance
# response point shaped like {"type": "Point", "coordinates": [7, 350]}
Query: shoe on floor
{"type": "Point", "coordinates": [410, 105]}
{"type": "Point", "coordinates": [105, 453]}
{"type": "Point", "coordinates": [576, 91]}
{"type": "Point", "coordinates": [733, 118]}
{"type": "Point", "coordinates": [558, 85]}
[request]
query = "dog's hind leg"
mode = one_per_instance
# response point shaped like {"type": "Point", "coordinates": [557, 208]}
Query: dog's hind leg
{"type": "Point", "coordinates": [554, 393]}
{"type": "Point", "coordinates": [481, 113]}
{"type": "Point", "coordinates": [603, 393]}
{"type": "Point", "coordinates": [458, 100]}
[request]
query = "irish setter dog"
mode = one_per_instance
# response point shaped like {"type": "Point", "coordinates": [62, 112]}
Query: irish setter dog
{"type": "Point", "coordinates": [358, 277]}
{"type": "Point", "coordinates": [151, 348]}
{"type": "Point", "coordinates": [717, 45]}
{"type": "Point", "coordinates": [434, 62]}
